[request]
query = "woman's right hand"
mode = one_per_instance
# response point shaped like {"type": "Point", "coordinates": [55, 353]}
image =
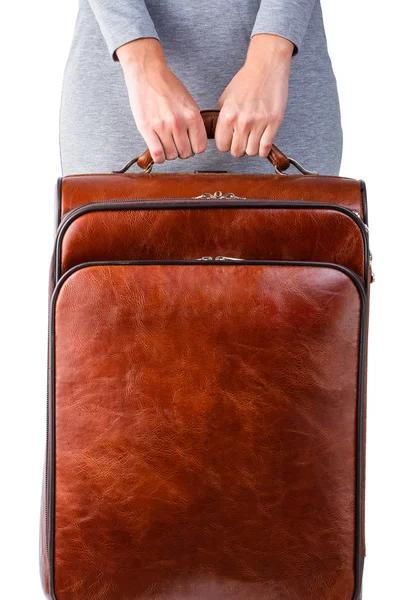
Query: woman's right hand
{"type": "Point", "coordinates": [165, 113]}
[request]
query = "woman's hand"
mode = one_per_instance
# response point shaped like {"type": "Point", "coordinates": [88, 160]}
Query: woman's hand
{"type": "Point", "coordinates": [253, 105]}
{"type": "Point", "coordinates": [165, 113]}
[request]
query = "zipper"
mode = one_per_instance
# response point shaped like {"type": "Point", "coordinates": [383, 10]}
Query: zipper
{"type": "Point", "coordinates": [230, 258]}
{"type": "Point", "coordinates": [235, 259]}
{"type": "Point", "coordinates": [360, 217]}
{"type": "Point", "coordinates": [46, 499]}
{"type": "Point", "coordinates": [366, 228]}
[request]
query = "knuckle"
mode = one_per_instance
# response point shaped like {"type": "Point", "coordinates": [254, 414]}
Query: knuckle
{"type": "Point", "coordinates": [275, 116]}
{"type": "Point", "coordinates": [191, 116]}
{"type": "Point", "coordinates": [174, 120]}
{"type": "Point", "coordinates": [228, 117]}
{"type": "Point", "coordinates": [245, 121]}
{"type": "Point", "coordinates": [157, 124]}
{"type": "Point", "coordinates": [260, 117]}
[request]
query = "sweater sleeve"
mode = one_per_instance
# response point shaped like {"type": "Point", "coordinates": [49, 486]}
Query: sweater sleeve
{"type": "Point", "coordinates": [287, 18]}
{"type": "Point", "coordinates": [122, 21]}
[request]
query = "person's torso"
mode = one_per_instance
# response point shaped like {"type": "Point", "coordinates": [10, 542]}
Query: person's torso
{"type": "Point", "coordinates": [202, 40]}
{"type": "Point", "coordinates": [205, 45]}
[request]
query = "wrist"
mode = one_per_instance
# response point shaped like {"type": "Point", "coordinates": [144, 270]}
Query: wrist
{"type": "Point", "coordinates": [141, 54]}
{"type": "Point", "coordinates": [266, 49]}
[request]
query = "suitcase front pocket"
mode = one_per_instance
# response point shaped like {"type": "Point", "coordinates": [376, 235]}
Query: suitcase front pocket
{"type": "Point", "coordinates": [206, 429]}
{"type": "Point", "coordinates": [262, 230]}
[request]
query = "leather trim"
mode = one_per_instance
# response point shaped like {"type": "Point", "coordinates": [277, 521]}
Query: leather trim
{"type": "Point", "coordinates": [185, 203]}
{"type": "Point", "coordinates": [363, 188]}
{"type": "Point", "coordinates": [360, 433]}
{"type": "Point", "coordinates": [57, 202]}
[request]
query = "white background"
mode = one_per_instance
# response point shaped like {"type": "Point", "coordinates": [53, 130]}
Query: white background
{"type": "Point", "coordinates": [34, 39]}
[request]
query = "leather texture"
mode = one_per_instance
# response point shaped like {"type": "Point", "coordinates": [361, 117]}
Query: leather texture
{"type": "Point", "coordinates": [187, 234]}
{"type": "Point", "coordinates": [206, 420]}
{"type": "Point", "coordinates": [77, 190]}
{"type": "Point", "coordinates": [210, 454]}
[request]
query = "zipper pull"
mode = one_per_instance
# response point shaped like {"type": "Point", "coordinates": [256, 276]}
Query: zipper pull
{"type": "Point", "coordinates": [228, 258]}
{"type": "Point", "coordinates": [206, 258]}
{"type": "Point", "coordinates": [219, 196]}
{"type": "Point", "coordinates": [360, 217]}
{"type": "Point", "coordinates": [373, 278]}
{"type": "Point", "coordinates": [370, 253]}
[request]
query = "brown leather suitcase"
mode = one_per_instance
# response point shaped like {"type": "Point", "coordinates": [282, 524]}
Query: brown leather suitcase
{"type": "Point", "coordinates": [207, 385]}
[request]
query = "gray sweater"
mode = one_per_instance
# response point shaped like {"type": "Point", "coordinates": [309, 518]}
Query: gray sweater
{"type": "Point", "coordinates": [205, 43]}
{"type": "Point", "coordinates": [122, 21]}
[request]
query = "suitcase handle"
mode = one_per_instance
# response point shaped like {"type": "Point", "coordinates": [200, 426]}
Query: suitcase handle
{"type": "Point", "coordinates": [278, 159]}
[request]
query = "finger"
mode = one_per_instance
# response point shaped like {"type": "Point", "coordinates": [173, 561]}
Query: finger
{"type": "Point", "coordinates": [267, 139]}
{"type": "Point", "coordinates": [242, 129]}
{"type": "Point", "coordinates": [182, 143]}
{"type": "Point", "coordinates": [254, 139]}
{"type": "Point", "coordinates": [197, 135]}
{"type": "Point", "coordinates": [168, 143]}
{"type": "Point", "coordinates": [155, 146]}
{"type": "Point", "coordinates": [266, 142]}
{"type": "Point", "coordinates": [224, 131]}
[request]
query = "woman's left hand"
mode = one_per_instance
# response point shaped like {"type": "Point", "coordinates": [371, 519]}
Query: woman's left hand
{"type": "Point", "coordinates": [253, 105]}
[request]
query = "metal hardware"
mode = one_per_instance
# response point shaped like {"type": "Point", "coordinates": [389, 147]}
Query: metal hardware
{"type": "Point", "coordinates": [373, 278]}
{"type": "Point", "coordinates": [361, 219]}
{"type": "Point", "coordinates": [206, 258]}
{"type": "Point", "coordinates": [219, 195]}
{"type": "Point", "coordinates": [229, 258]}
{"type": "Point", "coordinates": [298, 166]}
{"type": "Point", "coordinates": [129, 164]}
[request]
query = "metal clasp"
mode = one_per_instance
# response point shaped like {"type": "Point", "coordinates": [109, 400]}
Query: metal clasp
{"type": "Point", "coordinates": [219, 195]}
